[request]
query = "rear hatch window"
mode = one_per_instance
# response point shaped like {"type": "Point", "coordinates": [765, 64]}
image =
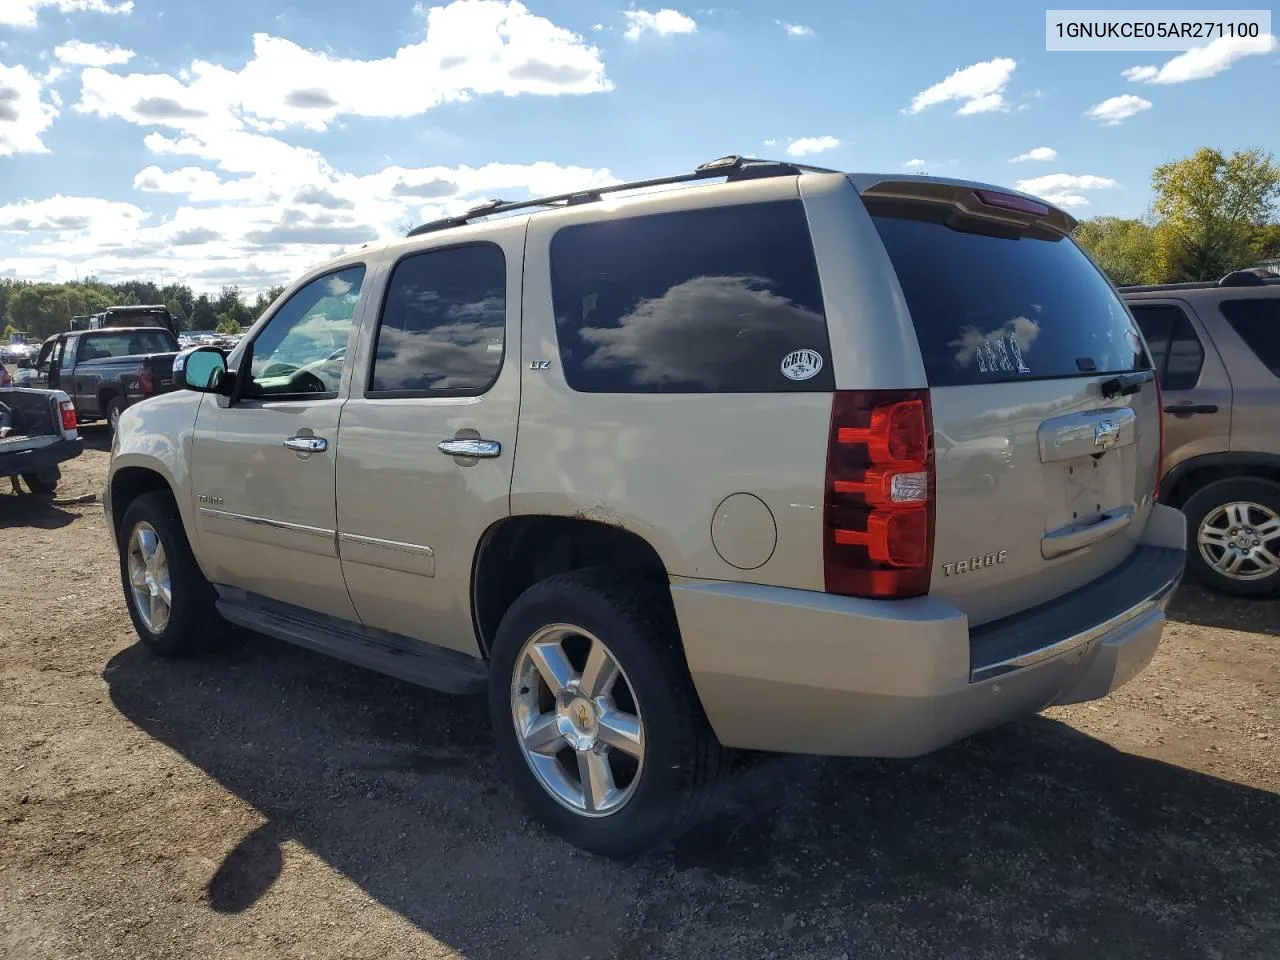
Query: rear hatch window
{"type": "Point", "coordinates": [994, 305]}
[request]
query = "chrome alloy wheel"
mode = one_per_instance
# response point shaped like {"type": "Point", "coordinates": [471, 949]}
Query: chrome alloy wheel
{"type": "Point", "coordinates": [149, 577]}
{"type": "Point", "coordinates": [1241, 541]}
{"type": "Point", "coordinates": [577, 721]}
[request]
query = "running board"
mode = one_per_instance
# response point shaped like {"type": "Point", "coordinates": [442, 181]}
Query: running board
{"type": "Point", "coordinates": [404, 658]}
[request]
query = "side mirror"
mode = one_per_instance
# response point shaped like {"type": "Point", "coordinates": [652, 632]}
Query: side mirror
{"type": "Point", "coordinates": [203, 369]}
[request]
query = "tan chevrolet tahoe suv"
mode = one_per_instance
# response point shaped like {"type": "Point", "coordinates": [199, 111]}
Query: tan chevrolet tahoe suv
{"type": "Point", "coordinates": [1216, 347]}
{"type": "Point", "coordinates": [757, 456]}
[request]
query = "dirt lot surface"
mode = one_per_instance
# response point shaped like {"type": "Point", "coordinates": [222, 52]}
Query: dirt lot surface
{"type": "Point", "coordinates": [266, 802]}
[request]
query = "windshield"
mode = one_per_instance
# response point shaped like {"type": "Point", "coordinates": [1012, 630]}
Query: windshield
{"type": "Point", "coordinates": [990, 307]}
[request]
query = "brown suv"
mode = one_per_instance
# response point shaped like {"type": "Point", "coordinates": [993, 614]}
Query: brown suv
{"type": "Point", "coordinates": [1216, 347]}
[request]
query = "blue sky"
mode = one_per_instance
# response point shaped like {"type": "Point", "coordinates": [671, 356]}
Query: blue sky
{"type": "Point", "coordinates": [244, 140]}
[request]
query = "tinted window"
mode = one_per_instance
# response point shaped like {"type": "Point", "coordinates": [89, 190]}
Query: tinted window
{"type": "Point", "coordinates": [66, 356]}
{"type": "Point", "coordinates": [1258, 323]}
{"type": "Point", "coordinates": [1175, 349]}
{"type": "Point", "coordinates": [990, 307]}
{"type": "Point", "coordinates": [720, 300]}
{"type": "Point", "coordinates": [443, 323]}
{"type": "Point", "coordinates": [292, 356]}
{"type": "Point", "coordinates": [104, 346]}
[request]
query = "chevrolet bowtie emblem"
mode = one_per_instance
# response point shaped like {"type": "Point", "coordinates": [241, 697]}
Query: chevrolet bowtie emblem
{"type": "Point", "coordinates": [1105, 433]}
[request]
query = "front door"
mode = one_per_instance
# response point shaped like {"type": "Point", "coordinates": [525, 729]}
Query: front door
{"type": "Point", "coordinates": [263, 470]}
{"type": "Point", "coordinates": [427, 441]}
{"type": "Point", "coordinates": [1197, 391]}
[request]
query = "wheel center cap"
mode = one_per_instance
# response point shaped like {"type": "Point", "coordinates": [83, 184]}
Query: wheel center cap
{"type": "Point", "coordinates": [578, 722]}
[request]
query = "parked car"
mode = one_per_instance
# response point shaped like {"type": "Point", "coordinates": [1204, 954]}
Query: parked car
{"type": "Point", "coordinates": [723, 524]}
{"type": "Point", "coordinates": [1217, 350]}
{"type": "Point", "coordinates": [37, 433]}
{"type": "Point", "coordinates": [107, 370]}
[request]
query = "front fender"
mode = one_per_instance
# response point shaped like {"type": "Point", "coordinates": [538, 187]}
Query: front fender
{"type": "Point", "coordinates": [156, 435]}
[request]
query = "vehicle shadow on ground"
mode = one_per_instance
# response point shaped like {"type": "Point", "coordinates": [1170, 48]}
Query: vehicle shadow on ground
{"type": "Point", "coordinates": [30, 510]}
{"type": "Point", "coordinates": [1196, 604]}
{"type": "Point", "coordinates": [1029, 840]}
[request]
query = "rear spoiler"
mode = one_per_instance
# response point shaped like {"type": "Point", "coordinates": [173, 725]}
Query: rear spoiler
{"type": "Point", "coordinates": [974, 200]}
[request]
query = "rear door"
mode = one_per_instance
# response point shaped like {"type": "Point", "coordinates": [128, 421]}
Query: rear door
{"type": "Point", "coordinates": [1197, 390]}
{"type": "Point", "coordinates": [427, 441]}
{"type": "Point", "coordinates": [1046, 462]}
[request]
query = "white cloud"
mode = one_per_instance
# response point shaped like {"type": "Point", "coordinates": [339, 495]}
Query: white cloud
{"type": "Point", "coordinates": [1115, 109]}
{"type": "Point", "coordinates": [61, 214]}
{"type": "Point", "coordinates": [915, 163]}
{"type": "Point", "coordinates": [1064, 189]}
{"type": "Point", "coordinates": [1035, 153]}
{"type": "Point", "coordinates": [980, 87]}
{"type": "Point", "coordinates": [1201, 63]}
{"type": "Point", "coordinates": [807, 146]}
{"type": "Point", "coordinates": [472, 47]}
{"type": "Point", "coordinates": [81, 54]}
{"type": "Point", "coordinates": [196, 182]}
{"type": "Point", "coordinates": [24, 13]}
{"type": "Point", "coordinates": [24, 114]}
{"type": "Point", "coordinates": [664, 23]}
{"type": "Point", "coordinates": [795, 29]}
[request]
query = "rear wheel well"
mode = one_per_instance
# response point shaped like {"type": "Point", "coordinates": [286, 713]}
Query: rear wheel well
{"type": "Point", "coordinates": [1201, 477]}
{"type": "Point", "coordinates": [518, 552]}
{"type": "Point", "coordinates": [128, 484]}
{"type": "Point", "coordinates": [105, 396]}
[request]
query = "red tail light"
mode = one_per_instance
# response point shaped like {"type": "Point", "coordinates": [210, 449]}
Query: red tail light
{"type": "Point", "coordinates": [5, 379]}
{"type": "Point", "coordinates": [68, 415]}
{"type": "Point", "coordinates": [879, 509]}
{"type": "Point", "coordinates": [145, 383]}
{"type": "Point", "coordinates": [1010, 201]}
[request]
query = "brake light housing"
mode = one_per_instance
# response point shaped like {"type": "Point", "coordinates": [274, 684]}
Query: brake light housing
{"type": "Point", "coordinates": [146, 384]}
{"type": "Point", "coordinates": [68, 412]}
{"type": "Point", "coordinates": [878, 511]}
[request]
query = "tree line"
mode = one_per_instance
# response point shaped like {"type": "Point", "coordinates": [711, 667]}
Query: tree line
{"type": "Point", "coordinates": [42, 309]}
{"type": "Point", "coordinates": [1210, 214]}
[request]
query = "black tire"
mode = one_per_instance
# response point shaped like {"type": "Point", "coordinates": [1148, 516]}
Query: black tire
{"type": "Point", "coordinates": [43, 484]}
{"type": "Point", "coordinates": [683, 761]}
{"type": "Point", "coordinates": [115, 407]}
{"type": "Point", "coordinates": [1201, 504]}
{"type": "Point", "coordinates": [193, 622]}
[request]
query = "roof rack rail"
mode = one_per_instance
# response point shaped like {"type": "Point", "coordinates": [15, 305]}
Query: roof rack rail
{"type": "Point", "coordinates": [1236, 278]}
{"type": "Point", "coordinates": [731, 168]}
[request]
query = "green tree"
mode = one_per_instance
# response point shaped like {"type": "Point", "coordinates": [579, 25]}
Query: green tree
{"type": "Point", "coordinates": [1211, 208]}
{"type": "Point", "coordinates": [1124, 249]}
{"type": "Point", "coordinates": [227, 324]}
{"type": "Point", "coordinates": [202, 314]}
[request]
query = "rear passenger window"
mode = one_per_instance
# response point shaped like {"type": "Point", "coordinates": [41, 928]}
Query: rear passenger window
{"type": "Point", "coordinates": [1258, 323]}
{"type": "Point", "coordinates": [717, 300]}
{"type": "Point", "coordinates": [444, 323]}
{"type": "Point", "coordinates": [1176, 350]}
{"type": "Point", "coordinates": [990, 306]}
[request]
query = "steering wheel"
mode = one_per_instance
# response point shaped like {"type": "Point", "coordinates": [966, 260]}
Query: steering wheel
{"type": "Point", "coordinates": [304, 381]}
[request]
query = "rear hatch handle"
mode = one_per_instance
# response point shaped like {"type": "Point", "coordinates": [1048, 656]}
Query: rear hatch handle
{"type": "Point", "coordinates": [1076, 537]}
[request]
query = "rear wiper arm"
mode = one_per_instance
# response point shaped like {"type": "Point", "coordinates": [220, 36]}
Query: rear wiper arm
{"type": "Point", "coordinates": [1126, 384]}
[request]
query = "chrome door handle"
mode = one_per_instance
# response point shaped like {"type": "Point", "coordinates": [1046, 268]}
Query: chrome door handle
{"type": "Point", "coordinates": [483, 449]}
{"type": "Point", "coordinates": [307, 444]}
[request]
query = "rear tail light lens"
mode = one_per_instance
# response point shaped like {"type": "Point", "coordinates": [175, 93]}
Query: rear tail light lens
{"type": "Point", "coordinates": [68, 410]}
{"type": "Point", "coordinates": [145, 383]}
{"type": "Point", "coordinates": [879, 509]}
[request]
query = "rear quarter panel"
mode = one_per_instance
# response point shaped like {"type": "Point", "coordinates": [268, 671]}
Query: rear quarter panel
{"type": "Point", "coordinates": [660, 465]}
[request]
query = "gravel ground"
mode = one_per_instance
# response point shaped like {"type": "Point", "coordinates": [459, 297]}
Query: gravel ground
{"type": "Point", "coordinates": [267, 802]}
